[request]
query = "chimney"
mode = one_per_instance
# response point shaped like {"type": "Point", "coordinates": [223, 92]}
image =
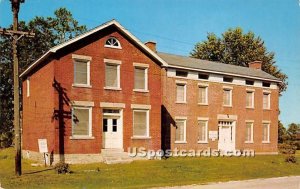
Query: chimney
{"type": "Point", "coordinates": [151, 45]}
{"type": "Point", "coordinates": [255, 64]}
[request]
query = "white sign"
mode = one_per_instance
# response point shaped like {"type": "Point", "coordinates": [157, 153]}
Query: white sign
{"type": "Point", "coordinates": [213, 135]}
{"type": "Point", "coordinates": [43, 147]}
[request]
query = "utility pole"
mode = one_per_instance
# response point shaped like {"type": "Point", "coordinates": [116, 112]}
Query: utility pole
{"type": "Point", "coordinates": [16, 35]}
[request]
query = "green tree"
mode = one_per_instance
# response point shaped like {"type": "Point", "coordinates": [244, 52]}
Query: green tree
{"type": "Point", "coordinates": [48, 31]}
{"type": "Point", "coordinates": [238, 48]}
{"type": "Point", "coordinates": [282, 133]}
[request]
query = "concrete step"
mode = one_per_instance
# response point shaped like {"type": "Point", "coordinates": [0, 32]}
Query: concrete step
{"type": "Point", "coordinates": [114, 156]}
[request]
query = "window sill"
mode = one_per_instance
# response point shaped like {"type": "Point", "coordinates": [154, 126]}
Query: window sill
{"type": "Point", "coordinates": [141, 90]}
{"type": "Point", "coordinates": [82, 137]}
{"type": "Point", "coordinates": [202, 142]}
{"type": "Point", "coordinates": [265, 142]}
{"type": "Point", "coordinates": [180, 102]}
{"type": "Point", "coordinates": [108, 46]}
{"type": "Point", "coordinates": [227, 106]}
{"type": "Point", "coordinates": [113, 88]}
{"type": "Point", "coordinates": [81, 85]}
{"type": "Point", "coordinates": [180, 142]}
{"type": "Point", "coordinates": [249, 142]}
{"type": "Point", "coordinates": [251, 108]}
{"type": "Point", "coordinates": [267, 109]}
{"type": "Point", "coordinates": [203, 104]}
{"type": "Point", "coordinates": [140, 138]}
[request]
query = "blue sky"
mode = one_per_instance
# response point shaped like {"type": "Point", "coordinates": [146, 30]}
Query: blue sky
{"type": "Point", "coordinates": [176, 25]}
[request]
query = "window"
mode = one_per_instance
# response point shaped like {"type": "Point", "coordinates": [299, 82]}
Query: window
{"type": "Point", "coordinates": [266, 100]}
{"type": "Point", "coordinates": [181, 73]}
{"type": "Point", "coordinates": [112, 76]}
{"type": "Point", "coordinates": [202, 137]}
{"type": "Point", "coordinates": [203, 97]}
{"type": "Point", "coordinates": [266, 133]}
{"type": "Point", "coordinates": [141, 123]}
{"type": "Point", "coordinates": [28, 87]}
{"type": "Point", "coordinates": [249, 82]}
{"type": "Point", "coordinates": [81, 121]}
{"type": "Point", "coordinates": [141, 78]}
{"type": "Point", "coordinates": [227, 97]}
{"type": "Point", "coordinates": [113, 43]}
{"type": "Point", "coordinates": [249, 132]}
{"type": "Point", "coordinates": [228, 79]}
{"type": "Point", "coordinates": [180, 135]}
{"type": "Point", "coordinates": [249, 99]}
{"type": "Point", "coordinates": [180, 92]}
{"type": "Point", "coordinates": [266, 84]}
{"type": "Point", "coordinates": [203, 76]}
{"type": "Point", "coordinates": [81, 72]}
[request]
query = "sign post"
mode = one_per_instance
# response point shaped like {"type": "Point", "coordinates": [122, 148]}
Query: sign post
{"type": "Point", "coordinates": [43, 148]}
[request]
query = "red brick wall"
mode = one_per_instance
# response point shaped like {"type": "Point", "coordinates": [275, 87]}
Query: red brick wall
{"type": "Point", "coordinates": [192, 111]}
{"type": "Point", "coordinates": [38, 109]}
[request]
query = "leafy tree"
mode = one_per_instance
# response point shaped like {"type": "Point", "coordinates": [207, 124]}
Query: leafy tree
{"type": "Point", "coordinates": [282, 133]}
{"type": "Point", "coordinates": [238, 48]}
{"type": "Point", "coordinates": [48, 31]}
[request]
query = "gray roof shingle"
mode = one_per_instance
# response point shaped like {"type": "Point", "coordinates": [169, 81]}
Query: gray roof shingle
{"type": "Point", "coordinates": [205, 65]}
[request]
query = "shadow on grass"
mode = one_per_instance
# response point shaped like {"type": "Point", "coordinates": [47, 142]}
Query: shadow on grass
{"type": "Point", "coordinates": [34, 172]}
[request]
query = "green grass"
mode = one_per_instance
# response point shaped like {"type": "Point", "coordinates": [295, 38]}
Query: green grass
{"type": "Point", "coordinates": [141, 174]}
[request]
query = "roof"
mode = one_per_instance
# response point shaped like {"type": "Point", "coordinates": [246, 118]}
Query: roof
{"type": "Point", "coordinates": [88, 33]}
{"type": "Point", "coordinates": [185, 62]}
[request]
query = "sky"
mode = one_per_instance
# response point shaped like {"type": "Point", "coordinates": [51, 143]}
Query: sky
{"type": "Point", "coordinates": [177, 25]}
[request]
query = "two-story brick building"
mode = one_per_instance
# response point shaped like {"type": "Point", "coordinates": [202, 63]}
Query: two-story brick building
{"type": "Point", "coordinates": [105, 90]}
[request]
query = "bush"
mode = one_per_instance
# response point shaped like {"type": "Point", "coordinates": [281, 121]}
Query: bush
{"type": "Point", "coordinates": [62, 168]}
{"type": "Point", "coordinates": [291, 159]}
{"type": "Point", "coordinates": [287, 148]}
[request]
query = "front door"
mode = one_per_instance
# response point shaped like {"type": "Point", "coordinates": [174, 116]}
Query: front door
{"type": "Point", "coordinates": [226, 136]}
{"type": "Point", "coordinates": [112, 132]}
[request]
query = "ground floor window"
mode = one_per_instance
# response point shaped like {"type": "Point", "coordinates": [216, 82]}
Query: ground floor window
{"type": "Point", "coordinates": [81, 121]}
{"type": "Point", "coordinates": [266, 132]}
{"type": "Point", "coordinates": [141, 123]}
{"type": "Point", "coordinates": [249, 132]}
{"type": "Point", "coordinates": [180, 135]}
{"type": "Point", "coordinates": [202, 137]}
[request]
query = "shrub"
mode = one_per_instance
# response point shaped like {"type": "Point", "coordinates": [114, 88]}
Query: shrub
{"type": "Point", "coordinates": [291, 159]}
{"type": "Point", "coordinates": [287, 148]}
{"type": "Point", "coordinates": [62, 168]}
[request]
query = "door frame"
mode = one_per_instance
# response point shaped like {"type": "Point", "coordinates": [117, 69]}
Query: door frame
{"type": "Point", "coordinates": [233, 134]}
{"type": "Point", "coordinates": [120, 122]}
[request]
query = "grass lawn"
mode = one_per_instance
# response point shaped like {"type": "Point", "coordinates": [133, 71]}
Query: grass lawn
{"type": "Point", "coordinates": [141, 174]}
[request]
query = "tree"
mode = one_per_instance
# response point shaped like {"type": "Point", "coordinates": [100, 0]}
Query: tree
{"type": "Point", "coordinates": [238, 48]}
{"type": "Point", "coordinates": [48, 31]}
{"type": "Point", "coordinates": [282, 133]}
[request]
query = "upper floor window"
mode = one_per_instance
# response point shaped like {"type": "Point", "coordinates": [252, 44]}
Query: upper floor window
{"type": "Point", "coordinates": [227, 97]}
{"type": "Point", "coordinates": [228, 79]}
{"type": "Point", "coordinates": [112, 74]}
{"type": "Point", "coordinates": [249, 82]}
{"type": "Point", "coordinates": [250, 99]}
{"type": "Point", "coordinates": [28, 87]}
{"type": "Point", "coordinates": [180, 92]}
{"type": "Point", "coordinates": [180, 73]}
{"type": "Point", "coordinates": [203, 76]}
{"type": "Point", "coordinates": [266, 100]}
{"type": "Point", "coordinates": [266, 84]}
{"type": "Point", "coordinates": [81, 72]}
{"type": "Point", "coordinates": [203, 96]}
{"type": "Point", "coordinates": [140, 77]}
{"type": "Point", "coordinates": [113, 43]}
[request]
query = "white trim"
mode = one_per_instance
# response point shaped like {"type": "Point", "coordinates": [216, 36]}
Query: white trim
{"type": "Point", "coordinates": [111, 46]}
{"type": "Point", "coordinates": [141, 65]}
{"type": "Point", "coordinates": [88, 72]}
{"type": "Point", "coordinates": [28, 87]}
{"type": "Point", "coordinates": [202, 118]}
{"type": "Point", "coordinates": [180, 117]}
{"type": "Point", "coordinates": [141, 106]}
{"type": "Point", "coordinates": [184, 129]}
{"type": "Point", "coordinates": [250, 90]}
{"type": "Point", "coordinates": [226, 117]}
{"type": "Point", "coordinates": [83, 103]}
{"type": "Point", "coordinates": [111, 105]}
{"type": "Point", "coordinates": [147, 136]}
{"type": "Point", "coordinates": [251, 137]}
{"type": "Point", "coordinates": [101, 27]}
{"type": "Point", "coordinates": [228, 87]}
{"type": "Point", "coordinates": [266, 121]}
{"type": "Point", "coordinates": [180, 82]}
{"type": "Point", "coordinates": [77, 137]}
{"type": "Point", "coordinates": [90, 122]}
{"type": "Point", "coordinates": [81, 57]}
{"type": "Point", "coordinates": [112, 61]}
{"type": "Point", "coordinates": [141, 137]}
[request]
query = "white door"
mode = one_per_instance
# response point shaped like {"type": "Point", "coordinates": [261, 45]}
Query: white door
{"type": "Point", "coordinates": [112, 132]}
{"type": "Point", "coordinates": [226, 136]}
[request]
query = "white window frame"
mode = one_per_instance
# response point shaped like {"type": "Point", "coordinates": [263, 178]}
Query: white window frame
{"type": "Point", "coordinates": [86, 59]}
{"type": "Point", "coordinates": [206, 130]}
{"type": "Point", "coordinates": [147, 136]}
{"type": "Point", "coordinates": [182, 83]}
{"type": "Point", "coordinates": [89, 136]}
{"type": "Point", "coordinates": [145, 67]}
{"type": "Point", "coordinates": [268, 123]}
{"type": "Point", "coordinates": [252, 133]}
{"type": "Point", "coordinates": [230, 96]}
{"type": "Point", "coordinates": [114, 63]}
{"type": "Point", "coordinates": [184, 120]}
{"type": "Point", "coordinates": [252, 92]}
{"type": "Point", "coordinates": [111, 46]}
{"type": "Point", "coordinates": [269, 100]}
{"type": "Point", "coordinates": [206, 93]}
{"type": "Point", "coordinates": [28, 87]}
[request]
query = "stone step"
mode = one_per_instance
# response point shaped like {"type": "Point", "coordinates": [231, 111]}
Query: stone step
{"type": "Point", "coordinates": [116, 161]}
